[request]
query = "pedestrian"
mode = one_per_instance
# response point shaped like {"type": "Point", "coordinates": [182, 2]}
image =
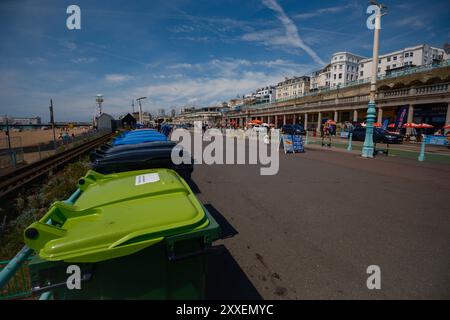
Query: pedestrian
{"type": "Point", "coordinates": [204, 128]}
{"type": "Point", "coordinates": [326, 134]}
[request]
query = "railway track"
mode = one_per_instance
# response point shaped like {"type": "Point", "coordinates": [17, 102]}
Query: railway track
{"type": "Point", "coordinates": [20, 177]}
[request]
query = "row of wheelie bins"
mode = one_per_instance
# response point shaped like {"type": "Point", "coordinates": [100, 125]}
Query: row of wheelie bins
{"type": "Point", "coordinates": [133, 229]}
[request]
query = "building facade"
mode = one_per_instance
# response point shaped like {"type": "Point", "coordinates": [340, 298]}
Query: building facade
{"type": "Point", "coordinates": [293, 87]}
{"type": "Point", "coordinates": [401, 59]}
{"type": "Point", "coordinates": [20, 120]}
{"type": "Point", "coordinates": [146, 117]}
{"type": "Point", "coordinates": [265, 95]}
{"type": "Point", "coordinates": [344, 68]}
{"type": "Point", "coordinates": [321, 78]}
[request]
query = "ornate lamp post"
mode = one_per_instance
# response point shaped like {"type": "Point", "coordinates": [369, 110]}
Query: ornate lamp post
{"type": "Point", "coordinates": [368, 147]}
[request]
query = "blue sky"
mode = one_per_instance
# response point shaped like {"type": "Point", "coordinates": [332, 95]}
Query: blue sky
{"type": "Point", "coordinates": [180, 52]}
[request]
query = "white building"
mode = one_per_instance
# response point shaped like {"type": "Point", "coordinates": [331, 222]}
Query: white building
{"type": "Point", "coordinates": [266, 95]}
{"type": "Point", "coordinates": [344, 68]}
{"type": "Point", "coordinates": [321, 78]}
{"type": "Point", "coordinates": [146, 117]}
{"type": "Point", "coordinates": [20, 120]}
{"type": "Point", "coordinates": [412, 56]}
{"type": "Point", "coordinates": [290, 88]}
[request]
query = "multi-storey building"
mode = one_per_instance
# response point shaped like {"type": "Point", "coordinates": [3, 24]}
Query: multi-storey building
{"type": "Point", "coordinates": [146, 117]}
{"type": "Point", "coordinates": [344, 68]}
{"type": "Point", "coordinates": [321, 78]}
{"type": "Point", "coordinates": [404, 58]}
{"type": "Point", "coordinates": [293, 87]}
{"type": "Point", "coordinates": [20, 120]}
{"type": "Point", "coordinates": [266, 94]}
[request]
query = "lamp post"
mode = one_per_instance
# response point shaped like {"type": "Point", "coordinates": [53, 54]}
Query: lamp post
{"type": "Point", "coordinates": [368, 147]}
{"type": "Point", "coordinates": [141, 121]}
{"type": "Point", "coordinates": [99, 100]}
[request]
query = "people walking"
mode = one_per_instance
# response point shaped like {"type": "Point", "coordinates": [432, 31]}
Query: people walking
{"type": "Point", "coordinates": [325, 132]}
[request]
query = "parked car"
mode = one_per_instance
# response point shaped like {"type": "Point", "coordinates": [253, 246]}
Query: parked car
{"type": "Point", "coordinates": [258, 128]}
{"type": "Point", "coordinates": [295, 129]}
{"type": "Point", "coordinates": [379, 135]}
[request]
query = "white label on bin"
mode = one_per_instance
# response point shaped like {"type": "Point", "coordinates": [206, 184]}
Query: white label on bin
{"type": "Point", "coordinates": [146, 178]}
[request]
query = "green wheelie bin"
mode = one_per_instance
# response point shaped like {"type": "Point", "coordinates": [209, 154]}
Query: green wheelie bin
{"type": "Point", "coordinates": [131, 235]}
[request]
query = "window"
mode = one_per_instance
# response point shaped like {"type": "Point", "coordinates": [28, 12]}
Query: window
{"type": "Point", "coordinates": [351, 78]}
{"type": "Point", "coordinates": [389, 59]}
{"type": "Point", "coordinates": [340, 67]}
{"type": "Point", "coordinates": [341, 57]}
{"type": "Point", "coordinates": [395, 58]}
{"type": "Point", "coordinates": [388, 67]}
{"type": "Point", "coordinates": [334, 76]}
{"type": "Point", "coordinates": [394, 65]}
{"type": "Point", "coordinates": [411, 54]}
{"type": "Point", "coordinates": [379, 69]}
{"type": "Point", "coordinates": [361, 74]}
{"type": "Point", "coordinates": [334, 67]}
{"type": "Point", "coordinates": [347, 77]}
{"type": "Point", "coordinates": [379, 61]}
{"type": "Point", "coordinates": [340, 75]}
{"type": "Point", "coordinates": [407, 55]}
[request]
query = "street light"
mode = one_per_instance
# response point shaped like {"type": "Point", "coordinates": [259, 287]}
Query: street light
{"type": "Point", "coordinates": [368, 147]}
{"type": "Point", "coordinates": [99, 100]}
{"type": "Point", "coordinates": [141, 121]}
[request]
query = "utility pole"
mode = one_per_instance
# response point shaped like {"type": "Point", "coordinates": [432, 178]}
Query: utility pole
{"type": "Point", "coordinates": [141, 121]}
{"type": "Point", "coordinates": [11, 153]}
{"type": "Point", "coordinates": [368, 147]}
{"type": "Point", "coordinates": [52, 121]}
{"type": "Point", "coordinates": [132, 104]}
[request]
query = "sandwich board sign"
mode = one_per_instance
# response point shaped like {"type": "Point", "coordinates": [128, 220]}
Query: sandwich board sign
{"type": "Point", "coordinates": [292, 143]}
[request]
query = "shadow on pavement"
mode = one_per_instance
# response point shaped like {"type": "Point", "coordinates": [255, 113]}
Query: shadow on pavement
{"type": "Point", "coordinates": [195, 189]}
{"type": "Point", "coordinates": [226, 228]}
{"type": "Point", "coordinates": [226, 280]}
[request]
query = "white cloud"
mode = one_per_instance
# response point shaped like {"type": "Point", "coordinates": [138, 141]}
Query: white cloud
{"type": "Point", "coordinates": [413, 22]}
{"type": "Point", "coordinates": [318, 12]}
{"type": "Point", "coordinates": [36, 60]}
{"type": "Point", "coordinates": [181, 66]}
{"type": "Point", "coordinates": [84, 60]}
{"type": "Point", "coordinates": [289, 37]}
{"type": "Point", "coordinates": [68, 45]}
{"type": "Point", "coordinates": [117, 78]}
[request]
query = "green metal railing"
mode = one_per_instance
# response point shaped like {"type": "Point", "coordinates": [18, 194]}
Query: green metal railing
{"type": "Point", "coordinates": [15, 279]}
{"type": "Point", "coordinates": [17, 284]}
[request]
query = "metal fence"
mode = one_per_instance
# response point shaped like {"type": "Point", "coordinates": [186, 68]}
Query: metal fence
{"type": "Point", "coordinates": [11, 152]}
{"type": "Point", "coordinates": [19, 286]}
{"type": "Point", "coordinates": [18, 154]}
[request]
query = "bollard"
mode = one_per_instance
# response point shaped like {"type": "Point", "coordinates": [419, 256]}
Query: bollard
{"type": "Point", "coordinates": [422, 152]}
{"type": "Point", "coordinates": [350, 140]}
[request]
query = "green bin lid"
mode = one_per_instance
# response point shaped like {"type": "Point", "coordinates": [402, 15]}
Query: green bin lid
{"type": "Point", "coordinates": [116, 215]}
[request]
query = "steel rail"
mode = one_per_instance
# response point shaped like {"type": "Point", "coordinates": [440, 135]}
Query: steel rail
{"type": "Point", "coordinates": [20, 177]}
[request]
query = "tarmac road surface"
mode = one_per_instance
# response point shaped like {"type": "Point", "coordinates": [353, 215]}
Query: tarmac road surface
{"type": "Point", "coordinates": [311, 231]}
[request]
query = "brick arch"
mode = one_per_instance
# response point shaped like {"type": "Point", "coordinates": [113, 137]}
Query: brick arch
{"type": "Point", "coordinates": [416, 82]}
{"type": "Point", "coordinates": [434, 80]}
{"type": "Point", "coordinates": [384, 87]}
{"type": "Point", "coordinates": [399, 85]}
